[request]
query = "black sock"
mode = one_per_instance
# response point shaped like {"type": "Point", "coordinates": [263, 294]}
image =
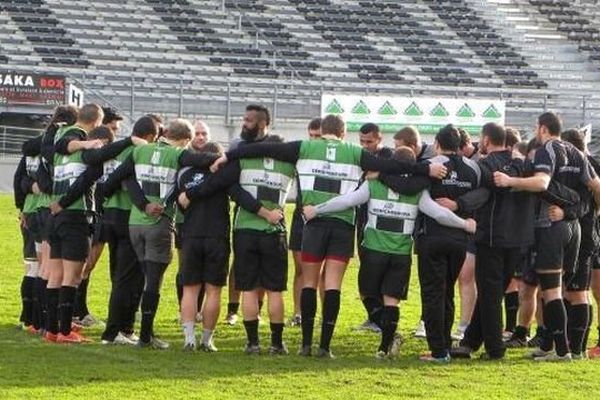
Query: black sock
{"type": "Point", "coordinates": [586, 336]}
{"type": "Point", "coordinates": [578, 322]}
{"type": "Point", "coordinates": [35, 305]}
{"type": "Point", "coordinates": [260, 305]}
{"type": "Point", "coordinates": [149, 306]}
{"type": "Point", "coordinates": [276, 334]}
{"type": "Point", "coordinates": [66, 299]}
{"type": "Point", "coordinates": [556, 315]}
{"type": "Point", "coordinates": [41, 293]}
{"type": "Point", "coordinates": [27, 300]}
{"type": "Point", "coordinates": [308, 309]}
{"type": "Point", "coordinates": [52, 313]}
{"type": "Point", "coordinates": [374, 309]}
{"type": "Point", "coordinates": [389, 324]}
{"type": "Point", "coordinates": [201, 297]}
{"type": "Point", "coordinates": [511, 306]}
{"type": "Point", "coordinates": [233, 308]}
{"type": "Point", "coordinates": [81, 309]}
{"type": "Point", "coordinates": [331, 309]}
{"type": "Point", "coordinates": [251, 332]}
{"type": "Point", "coordinates": [521, 332]}
{"type": "Point", "coordinates": [179, 289]}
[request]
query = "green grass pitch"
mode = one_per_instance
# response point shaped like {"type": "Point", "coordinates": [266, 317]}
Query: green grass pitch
{"type": "Point", "coordinates": [30, 369]}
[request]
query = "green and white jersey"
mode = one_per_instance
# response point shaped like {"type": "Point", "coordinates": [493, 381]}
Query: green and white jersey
{"type": "Point", "coordinates": [32, 200]}
{"type": "Point", "coordinates": [121, 198]}
{"type": "Point", "coordinates": [391, 220]}
{"type": "Point", "coordinates": [67, 168]}
{"type": "Point", "coordinates": [269, 181]}
{"type": "Point", "coordinates": [156, 167]}
{"type": "Point", "coordinates": [327, 168]}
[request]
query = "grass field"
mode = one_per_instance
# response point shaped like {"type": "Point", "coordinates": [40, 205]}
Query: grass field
{"type": "Point", "coordinates": [30, 369]}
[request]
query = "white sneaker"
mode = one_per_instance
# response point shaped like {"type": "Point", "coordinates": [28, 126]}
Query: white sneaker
{"type": "Point", "coordinates": [121, 340]}
{"type": "Point", "coordinates": [132, 336]}
{"type": "Point", "coordinates": [231, 319]}
{"type": "Point", "coordinates": [420, 331]}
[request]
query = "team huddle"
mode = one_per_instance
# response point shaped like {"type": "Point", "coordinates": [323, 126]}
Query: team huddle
{"type": "Point", "coordinates": [519, 217]}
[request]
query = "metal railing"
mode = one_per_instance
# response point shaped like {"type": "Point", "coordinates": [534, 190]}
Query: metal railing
{"type": "Point", "coordinates": [12, 139]}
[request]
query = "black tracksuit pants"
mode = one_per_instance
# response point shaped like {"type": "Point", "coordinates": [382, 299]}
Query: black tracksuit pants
{"type": "Point", "coordinates": [127, 280]}
{"type": "Point", "coordinates": [440, 261]}
{"type": "Point", "coordinates": [494, 268]}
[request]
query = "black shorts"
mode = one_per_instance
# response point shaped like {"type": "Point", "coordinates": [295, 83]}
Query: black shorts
{"type": "Point", "coordinates": [557, 247]}
{"type": "Point", "coordinates": [204, 260]}
{"type": "Point", "coordinates": [70, 237]}
{"type": "Point", "coordinates": [295, 243]}
{"type": "Point", "coordinates": [383, 274]}
{"type": "Point", "coordinates": [39, 225]}
{"type": "Point", "coordinates": [29, 252]}
{"type": "Point", "coordinates": [34, 227]}
{"type": "Point", "coordinates": [178, 230]}
{"type": "Point", "coordinates": [471, 247]}
{"type": "Point", "coordinates": [327, 238]}
{"type": "Point", "coordinates": [260, 261]}
{"type": "Point", "coordinates": [581, 278]}
{"type": "Point", "coordinates": [98, 231]}
{"type": "Point", "coordinates": [525, 270]}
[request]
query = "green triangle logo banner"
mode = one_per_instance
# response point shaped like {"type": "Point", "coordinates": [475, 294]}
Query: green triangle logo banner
{"type": "Point", "coordinates": [439, 111]}
{"type": "Point", "coordinates": [413, 110]}
{"type": "Point", "coordinates": [334, 108]}
{"type": "Point", "coordinates": [387, 109]}
{"type": "Point", "coordinates": [492, 112]}
{"type": "Point", "coordinates": [361, 108]}
{"type": "Point", "coordinates": [465, 112]}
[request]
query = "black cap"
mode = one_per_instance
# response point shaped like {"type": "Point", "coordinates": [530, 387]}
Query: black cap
{"type": "Point", "coordinates": [110, 115]}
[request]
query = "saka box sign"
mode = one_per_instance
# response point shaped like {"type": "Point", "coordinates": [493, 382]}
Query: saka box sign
{"type": "Point", "coordinates": [31, 89]}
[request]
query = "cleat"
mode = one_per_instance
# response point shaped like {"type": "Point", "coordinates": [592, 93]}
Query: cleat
{"type": "Point", "coordinates": [131, 336]}
{"type": "Point", "coordinates": [154, 343]}
{"type": "Point", "coordinates": [427, 357]}
{"type": "Point", "coordinates": [594, 352]}
{"type": "Point", "coordinates": [50, 337]}
{"type": "Point", "coordinates": [461, 352]}
{"type": "Point", "coordinates": [252, 349]}
{"type": "Point", "coordinates": [31, 330]}
{"type": "Point", "coordinates": [507, 335]}
{"type": "Point", "coordinates": [420, 332]}
{"type": "Point", "coordinates": [305, 351]}
{"type": "Point", "coordinates": [278, 351]}
{"type": "Point", "coordinates": [553, 357]}
{"type": "Point", "coordinates": [382, 355]}
{"type": "Point", "coordinates": [538, 353]}
{"type": "Point", "coordinates": [208, 347]}
{"type": "Point", "coordinates": [231, 319]}
{"type": "Point", "coordinates": [296, 320]}
{"type": "Point", "coordinates": [579, 356]}
{"type": "Point", "coordinates": [368, 326]}
{"type": "Point", "coordinates": [89, 321]}
{"type": "Point", "coordinates": [322, 353]}
{"type": "Point", "coordinates": [120, 339]}
{"type": "Point", "coordinates": [515, 342]}
{"type": "Point", "coordinates": [76, 327]}
{"type": "Point", "coordinates": [71, 338]}
{"type": "Point", "coordinates": [536, 341]}
{"type": "Point", "coordinates": [189, 347]}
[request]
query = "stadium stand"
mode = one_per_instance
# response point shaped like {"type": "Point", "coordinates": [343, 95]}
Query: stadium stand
{"type": "Point", "coordinates": [212, 54]}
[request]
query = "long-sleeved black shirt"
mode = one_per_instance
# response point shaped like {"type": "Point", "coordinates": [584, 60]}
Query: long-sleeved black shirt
{"type": "Point", "coordinates": [209, 215]}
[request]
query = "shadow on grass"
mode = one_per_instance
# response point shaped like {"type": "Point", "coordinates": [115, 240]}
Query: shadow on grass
{"type": "Point", "coordinates": [26, 361]}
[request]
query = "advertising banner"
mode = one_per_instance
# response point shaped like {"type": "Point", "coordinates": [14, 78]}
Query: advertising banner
{"type": "Point", "coordinates": [427, 114]}
{"type": "Point", "coordinates": [31, 89]}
